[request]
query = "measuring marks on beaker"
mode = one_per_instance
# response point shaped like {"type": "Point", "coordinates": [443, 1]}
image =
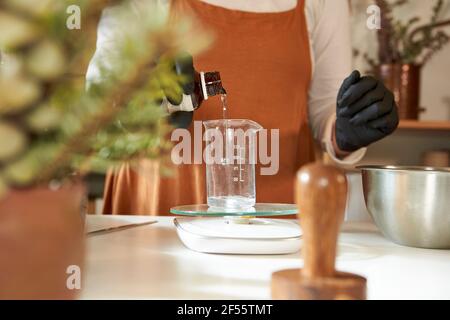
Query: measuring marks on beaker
{"type": "Point", "coordinates": [238, 169]}
{"type": "Point", "coordinates": [236, 164]}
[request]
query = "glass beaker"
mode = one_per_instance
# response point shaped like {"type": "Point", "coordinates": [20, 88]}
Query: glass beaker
{"type": "Point", "coordinates": [230, 157]}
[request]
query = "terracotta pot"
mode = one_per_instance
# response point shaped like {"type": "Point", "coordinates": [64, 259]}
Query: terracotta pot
{"type": "Point", "coordinates": [404, 81]}
{"type": "Point", "coordinates": [436, 158]}
{"type": "Point", "coordinates": [41, 235]}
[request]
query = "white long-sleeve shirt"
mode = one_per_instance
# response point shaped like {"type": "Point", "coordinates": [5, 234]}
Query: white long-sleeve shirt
{"type": "Point", "coordinates": [328, 25]}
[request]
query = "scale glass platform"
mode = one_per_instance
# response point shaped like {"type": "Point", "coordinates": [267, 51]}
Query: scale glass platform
{"type": "Point", "coordinates": [214, 230]}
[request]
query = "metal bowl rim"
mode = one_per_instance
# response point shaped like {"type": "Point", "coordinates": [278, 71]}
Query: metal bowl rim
{"type": "Point", "coordinates": [405, 168]}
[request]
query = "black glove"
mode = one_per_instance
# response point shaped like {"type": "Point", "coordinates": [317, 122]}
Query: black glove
{"type": "Point", "coordinates": [366, 112]}
{"type": "Point", "coordinates": [184, 66]}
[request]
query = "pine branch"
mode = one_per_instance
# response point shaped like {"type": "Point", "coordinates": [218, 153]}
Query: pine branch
{"type": "Point", "coordinates": [109, 109]}
{"type": "Point", "coordinates": [64, 128]}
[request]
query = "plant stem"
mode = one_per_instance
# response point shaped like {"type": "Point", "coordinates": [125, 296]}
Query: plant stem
{"type": "Point", "coordinates": [428, 27]}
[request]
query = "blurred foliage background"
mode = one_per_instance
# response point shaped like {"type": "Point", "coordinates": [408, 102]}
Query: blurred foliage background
{"type": "Point", "coordinates": [51, 127]}
{"type": "Point", "coordinates": [409, 40]}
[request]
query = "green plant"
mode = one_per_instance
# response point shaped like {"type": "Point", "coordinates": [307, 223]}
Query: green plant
{"type": "Point", "coordinates": [405, 42]}
{"type": "Point", "coordinates": [51, 127]}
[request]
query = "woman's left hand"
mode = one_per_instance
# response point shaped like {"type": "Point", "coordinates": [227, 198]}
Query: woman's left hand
{"type": "Point", "coordinates": [366, 112]}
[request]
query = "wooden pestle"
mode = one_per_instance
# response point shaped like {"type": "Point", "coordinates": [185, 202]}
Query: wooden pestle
{"type": "Point", "coordinates": [321, 192]}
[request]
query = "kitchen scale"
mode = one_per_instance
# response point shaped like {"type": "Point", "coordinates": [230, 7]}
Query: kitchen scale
{"type": "Point", "coordinates": [214, 230]}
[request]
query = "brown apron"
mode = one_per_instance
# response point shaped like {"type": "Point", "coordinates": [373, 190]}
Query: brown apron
{"type": "Point", "coordinates": [264, 62]}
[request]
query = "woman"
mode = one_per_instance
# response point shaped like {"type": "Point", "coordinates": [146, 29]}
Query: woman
{"type": "Point", "coordinates": [282, 63]}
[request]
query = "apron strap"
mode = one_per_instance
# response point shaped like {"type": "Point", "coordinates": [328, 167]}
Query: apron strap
{"type": "Point", "coordinates": [300, 8]}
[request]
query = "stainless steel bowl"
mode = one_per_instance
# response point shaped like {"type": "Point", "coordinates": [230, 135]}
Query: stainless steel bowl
{"type": "Point", "coordinates": [410, 205]}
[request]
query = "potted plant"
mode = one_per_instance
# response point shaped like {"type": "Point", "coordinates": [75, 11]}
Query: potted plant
{"type": "Point", "coordinates": [52, 130]}
{"type": "Point", "coordinates": [403, 49]}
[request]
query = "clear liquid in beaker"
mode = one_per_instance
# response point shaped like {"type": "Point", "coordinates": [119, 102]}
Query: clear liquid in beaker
{"type": "Point", "coordinates": [230, 186]}
{"type": "Point", "coordinates": [231, 180]}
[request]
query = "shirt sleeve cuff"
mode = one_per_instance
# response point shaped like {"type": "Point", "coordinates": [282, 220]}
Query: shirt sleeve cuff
{"type": "Point", "coordinates": [327, 145]}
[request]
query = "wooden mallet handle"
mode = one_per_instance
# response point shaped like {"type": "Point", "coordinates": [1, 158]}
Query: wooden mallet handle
{"type": "Point", "coordinates": [321, 193]}
{"type": "Point", "coordinates": [321, 197]}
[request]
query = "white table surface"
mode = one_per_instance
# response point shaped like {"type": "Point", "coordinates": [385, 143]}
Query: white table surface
{"type": "Point", "coordinates": [150, 262]}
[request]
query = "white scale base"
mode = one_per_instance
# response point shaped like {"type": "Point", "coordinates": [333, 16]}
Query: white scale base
{"type": "Point", "coordinates": [239, 235]}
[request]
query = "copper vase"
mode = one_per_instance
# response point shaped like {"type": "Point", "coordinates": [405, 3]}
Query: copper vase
{"type": "Point", "coordinates": [41, 239]}
{"type": "Point", "coordinates": [404, 81]}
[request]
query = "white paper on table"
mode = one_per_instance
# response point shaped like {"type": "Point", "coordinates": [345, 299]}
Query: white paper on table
{"type": "Point", "coordinates": [103, 222]}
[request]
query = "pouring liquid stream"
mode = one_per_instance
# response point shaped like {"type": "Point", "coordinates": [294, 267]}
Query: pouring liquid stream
{"type": "Point", "coordinates": [223, 99]}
